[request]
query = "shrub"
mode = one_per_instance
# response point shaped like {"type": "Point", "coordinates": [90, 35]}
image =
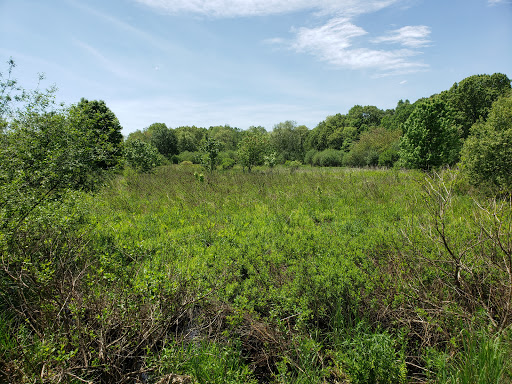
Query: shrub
{"type": "Point", "coordinates": [193, 157]}
{"type": "Point", "coordinates": [141, 156]}
{"type": "Point", "coordinates": [328, 158]}
{"type": "Point", "coordinates": [308, 158]}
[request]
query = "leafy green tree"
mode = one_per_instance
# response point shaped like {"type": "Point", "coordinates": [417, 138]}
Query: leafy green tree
{"type": "Point", "coordinates": [487, 152]}
{"type": "Point", "coordinates": [430, 138]}
{"type": "Point", "coordinates": [472, 98]}
{"type": "Point", "coordinates": [164, 139]}
{"type": "Point", "coordinates": [226, 136]}
{"type": "Point", "coordinates": [46, 150]}
{"type": "Point", "coordinates": [253, 148]}
{"type": "Point", "coordinates": [393, 121]}
{"type": "Point", "coordinates": [210, 147]}
{"type": "Point", "coordinates": [103, 129]}
{"type": "Point", "coordinates": [365, 117]}
{"type": "Point", "coordinates": [323, 135]}
{"type": "Point", "coordinates": [370, 146]}
{"type": "Point", "coordinates": [189, 138]}
{"type": "Point", "coordinates": [288, 140]}
{"type": "Point", "coordinates": [142, 156]}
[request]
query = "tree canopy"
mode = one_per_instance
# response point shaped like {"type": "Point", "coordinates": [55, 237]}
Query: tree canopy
{"type": "Point", "coordinates": [430, 138]}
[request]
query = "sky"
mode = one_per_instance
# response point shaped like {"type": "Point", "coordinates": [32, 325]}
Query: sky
{"type": "Point", "coordinates": [251, 62]}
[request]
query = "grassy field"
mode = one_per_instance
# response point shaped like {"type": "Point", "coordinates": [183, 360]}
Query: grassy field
{"type": "Point", "coordinates": [286, 276]}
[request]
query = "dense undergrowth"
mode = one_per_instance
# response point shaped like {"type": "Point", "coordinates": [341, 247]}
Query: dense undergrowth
{"type": "Point", "coordinates": [311, 276]}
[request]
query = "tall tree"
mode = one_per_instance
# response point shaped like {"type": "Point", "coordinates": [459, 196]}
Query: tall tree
{"type": "Point", "coordinates": [288, 140]}
{"type": "Point", "coordinates": [430, 138]}
{"type": "Point", "coordinates": [487, 152]}
{"type": "Point", "coordinates": [102, 127]}
{"type": "Point", "coordinates": [472, 98]}
{"type": "Point", "coordinates": [164, 139]}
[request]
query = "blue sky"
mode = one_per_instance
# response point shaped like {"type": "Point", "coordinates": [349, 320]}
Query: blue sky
{"type": "Point", "coordinates": [251, 62]}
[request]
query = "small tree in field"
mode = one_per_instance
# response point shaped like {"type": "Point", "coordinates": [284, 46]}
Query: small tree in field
{"type": "Point", "coordinates": [141, 156]}
{"type": "Point", "coordinates": [252, 149]}
{"type": "Point", "coordinates": [210, 147]}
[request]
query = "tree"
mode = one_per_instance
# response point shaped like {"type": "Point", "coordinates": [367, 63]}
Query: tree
{"type": "Point", "coordinates": [252, 149]}
{"type": "Point", "coordinates": [487, 152]}
{"type": "Point", "coordinates": [319, 138]}
{"type": "Point", "coordinates": [372, 144]}
{"type": "Point", "coordinates": [141, 156]}
{"type": "Point", "coordinates": [103, 128]}
{"type": "Point", "coordinates": [46, 150]}
{"type": "Point", "coordinates": [472, 98]}
{"type": "Point", "coordinates": [365, 117]}
{"type": "Point", "coordinates": [288, 140]}
{"type": "Point", "coordinates": [210, 147]}
{"type": "Point", "coordinates": [189, 138]}
{"type": "Point", "coordinates": [430, 138]}
{"type": "Point", "coordinates": [227, 137]}
{"type": "Point", "coordinates": [164, 139]}
{"type": "Point", "coordinates": [393, 121]}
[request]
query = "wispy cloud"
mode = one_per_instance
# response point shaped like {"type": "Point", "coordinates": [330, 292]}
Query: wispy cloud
{"type": "Point", "coordinates": [334, 41]}
{"type": "Point", "coordinates": [234, 8]}
{"type": "Point", "coordinates": [497, 2]}
{"type": "Point", "coordinates": [410, 36]}
{"type": "Point", "coordinates": [334, 44]}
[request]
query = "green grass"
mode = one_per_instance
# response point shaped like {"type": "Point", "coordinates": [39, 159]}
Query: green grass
{"type": "Point", "coordinates": [311, 276]}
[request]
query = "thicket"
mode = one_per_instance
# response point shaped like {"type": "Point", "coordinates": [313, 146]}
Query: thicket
{"type": "Point", "coordinates": [282, 275]}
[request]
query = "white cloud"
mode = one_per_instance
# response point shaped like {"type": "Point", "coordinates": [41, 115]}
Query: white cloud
{"type": "Point", "coordinates": [496, 2]}
{"type": "Point", "coordinates": [327, 40]}
{"type": "Point", "coordinates": [333, 43]}
{"type": "Point", "coordinates": [410, 36]}
{"type": "Point", "coordinates": [234, 8]}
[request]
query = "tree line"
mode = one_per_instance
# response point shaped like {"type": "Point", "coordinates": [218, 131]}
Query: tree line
{"type": "Point", "coordinates": [467, 124]}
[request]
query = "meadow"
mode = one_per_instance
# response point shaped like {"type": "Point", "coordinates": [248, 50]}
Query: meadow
{"type": "Point", "coordinates": [311, 275]}
{"type": "Point", "coordinates": [283, 275]}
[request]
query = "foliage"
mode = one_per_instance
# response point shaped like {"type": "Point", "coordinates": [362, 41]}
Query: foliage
{"type": "Point", "coordinates": [430, 139]}
{"type": "Point", "coordinates": [164, 139]}
{"type": "Point", "coordinates": [141, 156]}
{"type": "Point", "coordinates": [227, 137]}
{"type": "Point", "coordinates": [372, 357]}
{"type": "Point", "coordinates": [399, 116]}
{"type": "Point", "coordinates": [288, 140]}
{"type": "Point", "coordinates": [210, 147]}
{"type": "Point", "coordinates": [103, 129]}
{"type": "Point", "coordinates": [328, 158]}
{"type": "Point", "coordinates": [189, 138]}
{"type": "Point", "coordinates": [473, 97]}
{"type": "Point", "coordinates": [252, 149]}
{"type": "Point", "coordinates": [362, 118]}
{"type": "Point", "coordinates": [487, 152]}
{"type": "Point", "coordinates": [484, 359]}
{"type": "Point", "coordinates": [372, 144]}
{"type": "Point", "coordinates": [192, 157]}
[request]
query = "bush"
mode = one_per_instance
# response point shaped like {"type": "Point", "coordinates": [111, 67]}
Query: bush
{"type": "Point", "coordinates": [328, 158]}
{"type": "Point", "coordinates": [308, 158]}
{"type": "Point", "coordinates": [193, 157]}
{"type": "Point", "coordinates": [141, 156]}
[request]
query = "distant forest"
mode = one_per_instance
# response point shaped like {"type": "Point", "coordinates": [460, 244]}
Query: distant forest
{"type": "Point", "coordinates": [432, 132]}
